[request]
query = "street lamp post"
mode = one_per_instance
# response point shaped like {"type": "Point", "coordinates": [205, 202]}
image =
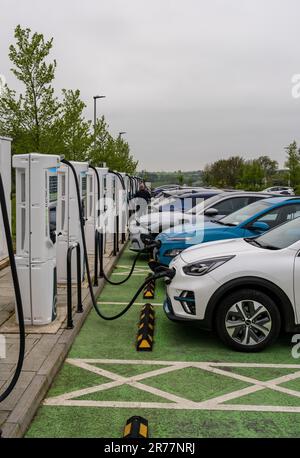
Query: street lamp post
{"type": "Point", "coordinates": [95, 97]}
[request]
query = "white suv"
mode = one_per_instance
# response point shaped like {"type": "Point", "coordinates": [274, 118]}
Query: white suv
{"type": "Point", "coordinates": [246, 289]}
{"type": "Point", "coordinates": [282, 190]}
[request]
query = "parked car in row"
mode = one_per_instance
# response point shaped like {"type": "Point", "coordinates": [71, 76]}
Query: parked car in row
{"type": "Point", "coordinates": [282, 190]}
{"type": "Point", "coordinates": [212, 207]}
{"type": "Point", "coordinates": [249, 221]}
{"type": "Point", "coordinates": [247, 289]}
{"type": "Point", "coordinates": [169, 196]}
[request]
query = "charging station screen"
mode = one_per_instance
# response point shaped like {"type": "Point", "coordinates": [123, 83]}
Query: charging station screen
{"type": "Point", "coordinates": [52, 188]}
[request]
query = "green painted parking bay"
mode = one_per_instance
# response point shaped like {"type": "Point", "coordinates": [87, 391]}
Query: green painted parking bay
{"type": "Point", "coordinates": [190, 385]}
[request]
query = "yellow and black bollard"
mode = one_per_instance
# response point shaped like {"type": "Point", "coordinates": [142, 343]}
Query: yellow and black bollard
{"type": "Point", "coordinates": [149, 289]}
{"type": "Point", "coordinates": [146, 329]}
{"type": "Point", "coordinates": [136, 427]}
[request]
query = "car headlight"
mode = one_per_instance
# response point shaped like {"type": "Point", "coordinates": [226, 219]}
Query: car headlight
{"type": "Point", "coordinates": [173, 253]}
{"type": "Point", "coordinates": [203, 267]}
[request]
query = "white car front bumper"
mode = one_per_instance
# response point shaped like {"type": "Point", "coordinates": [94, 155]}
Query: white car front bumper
{"type": "Point", "coordinates": [188, 296]}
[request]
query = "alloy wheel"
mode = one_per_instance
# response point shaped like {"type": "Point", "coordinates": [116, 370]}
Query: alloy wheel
{"type": "Point", "coordinates": [248, 322]}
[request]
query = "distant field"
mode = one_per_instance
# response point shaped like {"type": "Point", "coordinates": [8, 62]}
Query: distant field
{"type": "Point", "coordinates": [163, 178]}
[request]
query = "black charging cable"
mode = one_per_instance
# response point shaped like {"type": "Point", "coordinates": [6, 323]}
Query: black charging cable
{"type": "Point", "coordinates": [18, 297]}
{"type": "Point", "coordinates": [101, 254]}
{"type": "Point", "coordinates": [94, 301]}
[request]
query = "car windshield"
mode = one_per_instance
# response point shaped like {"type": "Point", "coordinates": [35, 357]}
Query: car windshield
{"type": "Point", "coordinates": [204, 204]}
{"type": "Point", "coordinates": [281, 237]}
{"type": "Point", "coordinates": [243, 214]}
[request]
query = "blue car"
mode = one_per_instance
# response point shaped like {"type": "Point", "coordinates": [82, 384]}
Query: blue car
{"type": "Point", "coordinates": [249, 221]}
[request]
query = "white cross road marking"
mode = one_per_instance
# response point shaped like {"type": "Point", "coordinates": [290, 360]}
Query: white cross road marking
{"type": "Point", "coordinates": [178, 402]}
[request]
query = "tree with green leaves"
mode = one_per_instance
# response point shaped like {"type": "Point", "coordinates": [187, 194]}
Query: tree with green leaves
{"type": "Point", "coordinates": [38, 122]}
{"type": "Point", "coordinates": [293, 163]}
{"type": "Point", "coordinates": [28, 117]}
{"type": "Point", "coordinates": [180, 177]}
{"type": "Point", "coordinates": [224, 172]}
{"type": "Point", "coordinates": [106, 149]}
{"type": "Point", "coordinates": [269, 166]}
{"type": "Point", "coordinates": [253, 175]}
{"type": "Point", "coordinates": [71, 130]}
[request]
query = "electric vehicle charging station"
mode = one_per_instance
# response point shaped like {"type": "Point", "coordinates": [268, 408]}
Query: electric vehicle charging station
{"type": "Point", "coordinates": [68, 223]}
{"type": "Point", "coordinates": [124, 220]}
{"type": "Point", "coordinates": [102, 173]}
{"type": "Point", "coordinates": [36, 200]}
{"type": "Point", "coordinates": [95, 217]}
{"type": "Point", "coordinates": [92, 210]}
{"type": "Point", "coordinates": [121, 203]}
{"type": "Point", "coordinates": [5, 168]}
{"type": "Point", "coordinates": [110, 204]}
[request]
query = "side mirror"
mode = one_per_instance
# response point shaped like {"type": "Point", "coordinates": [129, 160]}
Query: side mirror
{"type": "Point", "coordinates": [211, 212]}
{"type": "Point", "coordinates": [259, 226]}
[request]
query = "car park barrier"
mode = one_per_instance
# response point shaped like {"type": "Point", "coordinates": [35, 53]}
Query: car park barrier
{"type": "Point", "coordinates": [136, 427]}
{"type": "Point", "coordinates": [149, 290]}
{"type": "Point", "coordinates": [146, 328]}
{"type": "Point", "coordinates": [76, 246]}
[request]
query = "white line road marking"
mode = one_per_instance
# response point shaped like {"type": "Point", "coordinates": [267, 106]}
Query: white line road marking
{"type": "Point", "coordinates": [125, 303]}
{"type": "Point", "coordinates": [158, 362]}
{"type": "Point", "coordinates": [138, 268]}
{"type": "Point", "coordinates": [178, 402]}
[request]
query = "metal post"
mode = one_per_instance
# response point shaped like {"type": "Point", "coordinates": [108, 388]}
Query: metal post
{"type": "Point", "coordinates": [115, 244]}
{"type": "Point", "coordinates": [76, 245]}
{"type": "Point", "coordinates": [117, 233]}
{"type": "Point", "coordinates": [96, 259]}
{"type": "Point", "coordinates": [116, 236]}
{"type": "Point", "coordinates": [101, 253]}
{"type": "Point", "coordinates": [70, 324]}
{"type": "Point", "coordinates": [79, 295]}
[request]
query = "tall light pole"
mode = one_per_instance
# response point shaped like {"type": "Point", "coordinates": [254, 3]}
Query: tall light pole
{"type": "Point", "coordinates": [95, 97]}
{"type": "Point", "coordinates": [122, 133]}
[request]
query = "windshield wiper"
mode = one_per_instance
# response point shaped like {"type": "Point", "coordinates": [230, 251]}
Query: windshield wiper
{"type": "Point", "coordinates": [261, 245]}
{"type": "Point", "coordinates": [270, 247]}
{"type": "Point", "coordinates": [253, 242]}
{"type": "Point", "coordinates": [223, 224]}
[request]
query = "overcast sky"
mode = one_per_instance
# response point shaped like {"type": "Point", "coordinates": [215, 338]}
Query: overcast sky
{"type": "Point", "coordinates": [190, 81]}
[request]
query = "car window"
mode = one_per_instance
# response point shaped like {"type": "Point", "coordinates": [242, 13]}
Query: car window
{"type": "Point", "coordinates": [230, 205]}
{"type": "Point", "coordinates": [282, 236]}
{"type": "Point", "coordinates": [208, 202]}
{"type": "Point", "coordinates": [254, 199]}
{"type": "Point", "coordinates": [281, 215]}
{"type": "Point", "coordinates": [245, 213]}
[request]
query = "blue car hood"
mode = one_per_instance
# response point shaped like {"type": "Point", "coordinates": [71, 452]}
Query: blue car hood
{"type": "Point", "coordinates": [191, 231]}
